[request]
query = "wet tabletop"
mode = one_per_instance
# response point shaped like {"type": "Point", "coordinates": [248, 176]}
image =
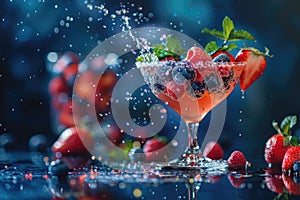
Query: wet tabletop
{"type": "Point", "coordinates": [26, 176]}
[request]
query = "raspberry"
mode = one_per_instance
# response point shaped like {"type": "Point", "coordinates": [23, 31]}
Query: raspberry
{"type": "Point", "coordinates": [236, 160]}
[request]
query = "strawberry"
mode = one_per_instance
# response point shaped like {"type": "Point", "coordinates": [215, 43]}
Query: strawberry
{"type": "Point", "coordinates": [290, 185]}
{"type": "Point", "coordinates": [196, 54]}
{"type": "Point", "coordinates": [236, 160]}
{"type": "Point", "coordinates": [174, 90]}
{"type": "Point", "coordinates": [153, 145]}
{"type": "Point", "coordinates": [275, 149]}
{"type": "Point", "coordinates": [236, 180]}
{"type": "Point", "coordinates": [222, 56]}
{"type": "Point", "coordinates": [57, 85]}
{"type": "Point", "coordinates": [70, 142]}
{"type": "Point", "coordinates": [213, 150]}
{"type": "Point", "coordinates": [255, 65]}
{"type": "Point", "coordinates": [292, 155]}
{"type": "Point", "coordinates": [278, 144]}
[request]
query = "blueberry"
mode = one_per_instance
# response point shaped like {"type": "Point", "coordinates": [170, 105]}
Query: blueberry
{"type": "Point", "coordinates": [159, 87]}
{"type": "Point", "coordinates": [180, 74]}
{"type": "Point", "coordinates": [222, 57]}
{"type": "Point", "coordinates": [197, 89]}
{"type": "Point", "coordinates": [296, 166]}
{"type": "Point", "coordinates": [227, 80]}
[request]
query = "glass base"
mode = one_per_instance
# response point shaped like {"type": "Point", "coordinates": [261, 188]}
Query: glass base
{"type": "Point", "coordinates": [193, 160]}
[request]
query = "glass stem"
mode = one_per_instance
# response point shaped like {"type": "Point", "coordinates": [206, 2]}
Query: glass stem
{"type": "Point", "coordinates": [193, 145]}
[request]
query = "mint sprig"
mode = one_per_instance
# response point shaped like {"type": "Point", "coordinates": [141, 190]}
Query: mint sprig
{"type": "Point", "coordinates": [227, 34]}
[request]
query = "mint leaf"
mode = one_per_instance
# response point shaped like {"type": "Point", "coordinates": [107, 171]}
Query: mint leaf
{"type": "Point", "coordinates": [287, 123]}
{"type": "Point", "coordinates": [294, 141]}
{"type": "Point", "coordinates": [174, 45]}
{"type": "Point", "coordinates": [229, 47]}
{"type": "Point", "coordinates": [228, 27]}
{"type": "Point", "coordinates": [240, 35]}
{"type": "Point", "coordinates": [213, 32]}
{"type": "Point", "coordinates": [211, 47]}
{"type": "Point", "coordinates": [158, 46]}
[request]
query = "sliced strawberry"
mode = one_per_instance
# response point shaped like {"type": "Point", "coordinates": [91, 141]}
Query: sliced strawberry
{"type": "Point", "coordinates": [196, 54]}
{"type": "Point", "coordinates": [213, 150]}
{"type": "Point", "coordinates": [255, 65]}
{"type": "Point", "coordinates": [292, 155]}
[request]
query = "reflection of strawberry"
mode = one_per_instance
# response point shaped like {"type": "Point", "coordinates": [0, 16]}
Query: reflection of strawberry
{"type": "Point", "coordinates": [70, 142]}
{"type": "Point", "coordinates": [278, 144]}
{"type": "Point", "coordinates": [275, 184]}
{"type": "Point", "coordinates": [292, 155]}
{"type": "Point", "coordinates": [290, 185]}
{"type": "Point", "coordinates": [255, 65]}
{"type": "Point", "coordinates": [236, 180]}
{"type": "Point", "coordinates": [196, 54]}
{"type": "Point", "coordinates": [236, 160]}
{"type": "Point", "coordinates": [213, 150]}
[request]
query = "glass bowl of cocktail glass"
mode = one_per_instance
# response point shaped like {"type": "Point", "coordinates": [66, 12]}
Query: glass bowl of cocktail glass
{"type": "Point", "coordinates": [192, 90]}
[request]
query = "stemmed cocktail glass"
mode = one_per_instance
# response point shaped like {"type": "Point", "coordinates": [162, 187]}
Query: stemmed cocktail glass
{"type": "Point", "coordinates": [192, 90]}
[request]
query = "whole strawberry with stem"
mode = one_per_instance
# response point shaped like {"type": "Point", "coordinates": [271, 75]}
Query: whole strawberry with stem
{"type": "Point", "coordinates": [278, 144]}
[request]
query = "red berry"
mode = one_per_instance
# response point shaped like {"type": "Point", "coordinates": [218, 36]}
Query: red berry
{"type": "Point", "coordinates": [292, 155]}
{"type": "Point", "coordinates": [236, 160]}
{"type": "Point", "coordinates": [255, 66]}
{"type": "Point", "coordinates": [57, 85]}
{"type": "Point", "coordinates": [275, 149]}
{"type": "Point", "coordinates": [70, 142]}
{"type": "Point", "coordinates": [290, 185]}
{"type": "Point", "coordinates": [151, 146]}
{"type": "Point", "coordinates": [174, 90]}
{"type": "Point", "coordinates": [236, 180]}
{"type": "Point", "coordinates": [213, 150]}
{"type": "Point", "coordinates": [196, 54]}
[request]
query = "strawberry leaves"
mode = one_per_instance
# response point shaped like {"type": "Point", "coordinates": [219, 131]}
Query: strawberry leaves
{"type": "Point", "coordinates": [285, 129]}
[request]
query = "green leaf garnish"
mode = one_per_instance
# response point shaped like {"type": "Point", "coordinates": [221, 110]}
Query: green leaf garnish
{"type": "Point", "coordinates": [213, 32]}
{"type": "Point", "coordinates": [228, 34]}
{"type": "Point", "coordinates": [240, 35]}
{"type": "Point", "coordinates": [228, 27]}
{"type": "Point", "coordinates": [173, 45]}
{"type": "Point", "coordinates": [294, 141]}
{"type": "Point", "coordinates": [287, 123]}
{"type": "Point", "coordinates": [211, 47]}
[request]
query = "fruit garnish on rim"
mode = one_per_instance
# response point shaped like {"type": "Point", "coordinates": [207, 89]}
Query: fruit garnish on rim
{"type": "Point", "coordinates": [255, 60]}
